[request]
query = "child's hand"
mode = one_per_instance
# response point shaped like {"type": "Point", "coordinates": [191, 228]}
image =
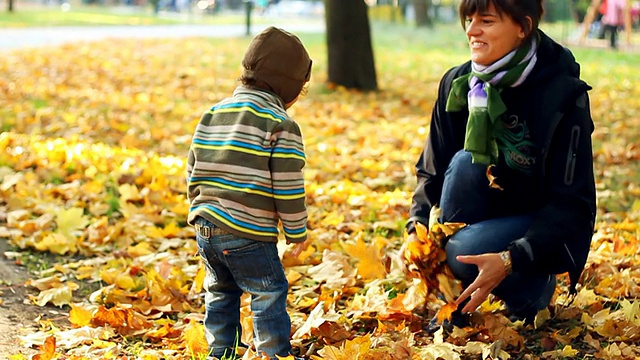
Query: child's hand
{"type": "Point", "coordinates": [299, 248]}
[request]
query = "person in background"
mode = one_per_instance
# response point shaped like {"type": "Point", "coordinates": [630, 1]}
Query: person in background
{"type": "Point", "coordinates": [509, 153]}
{"type": "Point", "coordinates": [244, 175]}
{"type": "Point", "coordinates": [613, 19]}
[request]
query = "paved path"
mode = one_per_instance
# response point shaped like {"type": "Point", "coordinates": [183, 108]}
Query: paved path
{"type": "Point", "coordinates": [16, 38]}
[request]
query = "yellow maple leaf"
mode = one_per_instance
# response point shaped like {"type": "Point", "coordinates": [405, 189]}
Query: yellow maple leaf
{"type": "Point", "coordinates": [421, 231]}
{"type": "Point", "coordinates": [332, 219]}
{"type": "Point", "coordinates": [194, 340]}
{"type": "Point", "coordinates": [448, 286]}
{"type": "Point", "coordinates": [129, 192]}
{"type": "Point", "coordinates": [58, 296]}
{"type": "Point", "coordinates": [71, 220]}
{"type": "Point", "coordinates": [566, 352]}
{"type": "Point", "coordinates": [168, 232]}
{"type": "Point", "coordinates": [140, 249]}
{"type": "Point", "coordinates": [17, 357]}
{"type": "Point", "coordinates": [416, 295]}
{"type": "Point", "coordinates": [631, 311]}
{"type": "Point", "coordinates": [198, 281]}
{"type": "Point", "coordinates": [350, 349]}
{"type": "Point", "coordinates": [45, 283]}
{"type": "Point", "coordinates": [293, 276]}
{"type": "Point", "coordinates": [125, 281]}
{"type": "Point", "coordinates": [57, 243]}
{"type": "Point", "coordinates": [80, 315]}
{"type": "Point", "coordinates": [497, 327]}
{"type": "Point", "coordinates": [119, 278]}
{"type": "Point", "coordinates": [172, 230]}
{"type": "Point", "coordinates": [439, 232]}
{"type": "Point", "coordinates": [370, 265]}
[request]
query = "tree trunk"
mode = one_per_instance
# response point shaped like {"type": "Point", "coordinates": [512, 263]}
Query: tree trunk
{"type": "Point", "coordinates": [421, 11]}
{"type": "Point", "coordinates": [349, 45]}
{"type": "Point", "coordinates": [10, 5]}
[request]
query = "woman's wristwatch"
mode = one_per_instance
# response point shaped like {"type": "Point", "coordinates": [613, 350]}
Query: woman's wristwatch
{"type": "Point", "coordinates": [505, 256]}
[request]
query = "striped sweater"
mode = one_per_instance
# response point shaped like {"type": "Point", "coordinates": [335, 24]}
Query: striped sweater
{"type": "Point", "coordinates": [244, 169]}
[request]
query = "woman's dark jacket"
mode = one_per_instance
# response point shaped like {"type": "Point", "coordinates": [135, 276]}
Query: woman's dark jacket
{"type": "Point", "coordinates": [558, 187]}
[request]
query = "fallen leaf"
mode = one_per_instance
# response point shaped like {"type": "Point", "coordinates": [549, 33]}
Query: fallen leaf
{"type": "Point", "coordinates": [47, 350]}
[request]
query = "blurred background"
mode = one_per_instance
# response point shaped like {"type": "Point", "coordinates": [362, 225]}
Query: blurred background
{"type": "Point", "coordinates": [570, 21]}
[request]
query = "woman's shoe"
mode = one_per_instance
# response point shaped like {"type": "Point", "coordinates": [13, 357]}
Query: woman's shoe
{"type": "Point", "coordinates": [458, 319]}
{"type": "Point", "coordinates": [528, 318]}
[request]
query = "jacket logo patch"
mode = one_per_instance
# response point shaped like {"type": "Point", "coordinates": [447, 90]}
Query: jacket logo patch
{"type": "Point", "coordinates": [514, 142]}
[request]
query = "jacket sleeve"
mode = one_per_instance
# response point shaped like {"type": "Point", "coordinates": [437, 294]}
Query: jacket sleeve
{"type": "Point", "coordinates": [286, 164]}
{"type": "Point", "coordinates": [442, 143]}
{"type": "Point", "coordinates": [559, 238]}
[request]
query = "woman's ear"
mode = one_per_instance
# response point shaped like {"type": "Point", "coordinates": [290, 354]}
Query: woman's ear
{"type": "Point", "coordinates": [524, 32]}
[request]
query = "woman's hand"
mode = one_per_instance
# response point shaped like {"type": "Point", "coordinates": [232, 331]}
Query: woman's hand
{"type": "Point", "coordinates": [491, 272]}
{"type": "Point", "coordinates": [405, 254]}
{"type": "Point", "coordinates": [411, 238]}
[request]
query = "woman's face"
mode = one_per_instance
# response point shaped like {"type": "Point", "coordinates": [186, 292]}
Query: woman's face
{"type": "Point", "coordinates": [492, 36]}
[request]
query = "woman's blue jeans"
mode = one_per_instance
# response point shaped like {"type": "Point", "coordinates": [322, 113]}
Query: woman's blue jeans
{"type": "Point", "coordinates": [467, 197]}
{"type": "Point", "coordinates": [236, 265]}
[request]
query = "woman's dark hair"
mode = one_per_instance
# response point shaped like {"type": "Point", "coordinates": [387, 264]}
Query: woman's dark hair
{"type": "Point", "coordinates": [518, 10]}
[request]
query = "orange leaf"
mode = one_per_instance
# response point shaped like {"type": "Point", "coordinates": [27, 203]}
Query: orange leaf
{"type": "Point", "coordinates": [445, 312]}
{"type": "Point", "coordinates": [492, 179]}
{"type": "Point", "coordinates": [125, 321]}
{"type": "Point", "coordinates": [47, 349]}
{"type": "Point", "coordinates": [415, 251]}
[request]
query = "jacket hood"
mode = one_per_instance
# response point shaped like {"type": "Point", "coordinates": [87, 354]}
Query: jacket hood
{"type": "Point", "coordinates": [554, 60]}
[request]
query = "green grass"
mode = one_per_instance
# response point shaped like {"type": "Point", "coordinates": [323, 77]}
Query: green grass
{"type": "Point", "coordinates": [76, 16]}
{"type": "Point", "coordinates": [88, 15]}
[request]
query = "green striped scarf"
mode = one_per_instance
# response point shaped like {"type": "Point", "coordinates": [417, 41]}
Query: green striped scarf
{"type": "Point", "coordinates": [480, 90]}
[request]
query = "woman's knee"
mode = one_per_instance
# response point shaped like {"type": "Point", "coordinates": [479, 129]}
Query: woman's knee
{"type": "Point", "coordinates": [489, 236]}
{"type": "Point", "coordinates": [462, 165]}
{"type": "Point", "coordinates": [465, 194]}
{"type": "Point", "coordinates": [464, 272]}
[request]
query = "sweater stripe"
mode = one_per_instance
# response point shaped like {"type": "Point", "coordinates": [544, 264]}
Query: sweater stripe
{"type": "Point", "coordinates": [246, 226]}
{"type": "Point", "coordinates": [250, 188]}
{"type": "Point", "coordinates": [235, 223]}
{"type": "Point", "coordinates": [248, 148]}
{"type": "Point", "coordinates": [247, 106]}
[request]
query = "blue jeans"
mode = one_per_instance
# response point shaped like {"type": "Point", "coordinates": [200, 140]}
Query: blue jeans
{"type": "Point", "coordinates": [466, 197]}
{"type": "Point", "coordinates": [236, 265]}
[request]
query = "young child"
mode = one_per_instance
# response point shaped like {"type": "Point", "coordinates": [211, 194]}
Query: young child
{"type": "Point", "coordinates": [245, 177]}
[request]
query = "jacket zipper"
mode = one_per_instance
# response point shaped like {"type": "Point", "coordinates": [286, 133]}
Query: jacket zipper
{"type": "Point", "coordinates": [571, 155]}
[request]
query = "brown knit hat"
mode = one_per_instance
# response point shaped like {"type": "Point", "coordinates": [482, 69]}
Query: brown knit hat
{"type": "Point", "coordinates": [279, 60]}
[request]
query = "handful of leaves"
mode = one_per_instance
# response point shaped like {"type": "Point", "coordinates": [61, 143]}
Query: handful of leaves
{"type": "Point", "coordinates": [425, 257]}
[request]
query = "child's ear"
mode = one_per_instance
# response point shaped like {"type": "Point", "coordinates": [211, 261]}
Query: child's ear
{"type": "Point", "coordinates": [290, 103]}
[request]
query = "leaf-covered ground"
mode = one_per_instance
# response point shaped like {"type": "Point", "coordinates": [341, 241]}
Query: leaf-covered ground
{"type": "Point", "coordinates": [92, 172]}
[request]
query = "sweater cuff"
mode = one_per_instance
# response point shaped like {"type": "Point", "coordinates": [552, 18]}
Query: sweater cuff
{"type": "Point", "coordinates": [521, 255]}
